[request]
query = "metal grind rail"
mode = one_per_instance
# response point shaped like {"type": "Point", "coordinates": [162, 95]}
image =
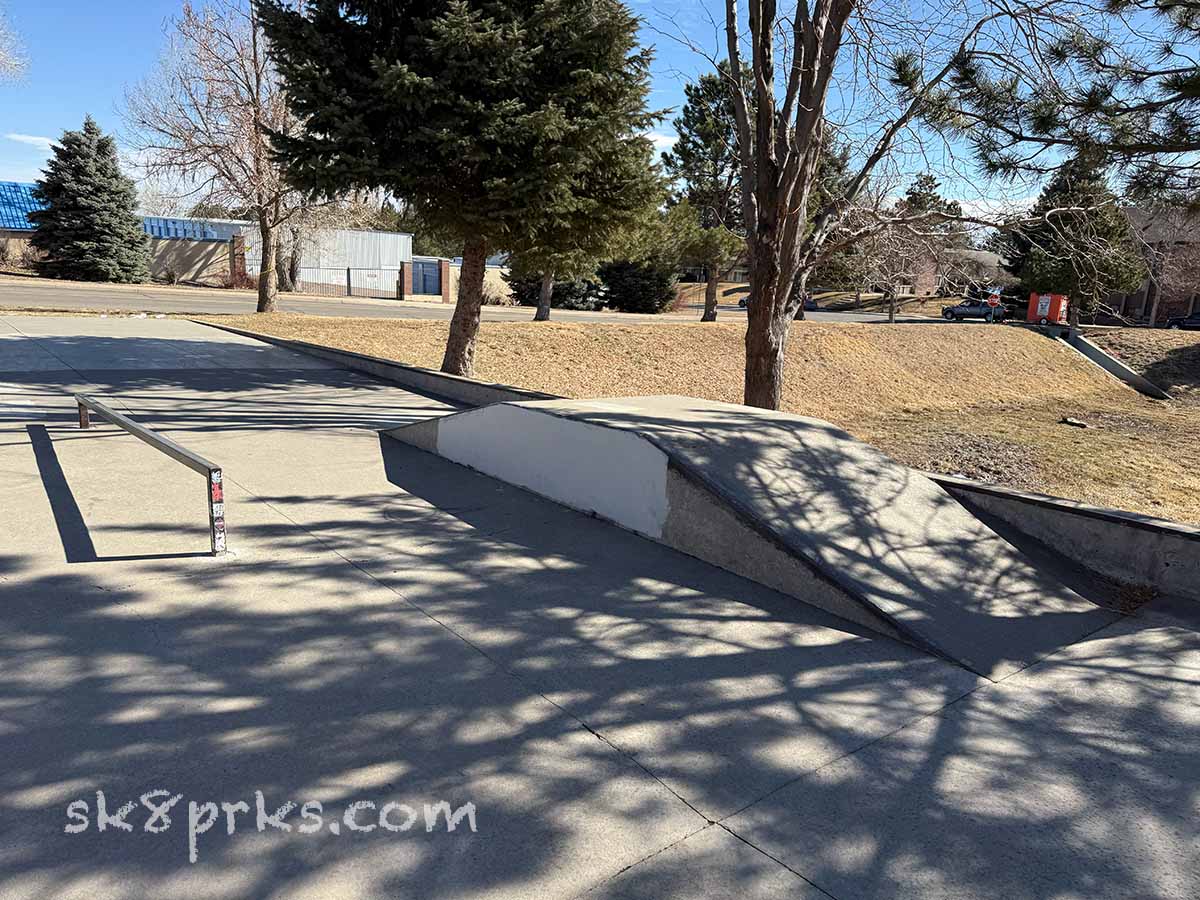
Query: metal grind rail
{"type": "Point", "coordinates": [215, 493]}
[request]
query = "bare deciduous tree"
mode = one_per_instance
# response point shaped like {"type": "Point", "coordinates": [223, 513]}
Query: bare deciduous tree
{"type": "Point", "coordinates": [300, 234]}
{"type": "Point", "coordinates": [796, 55]}
{"type": "Point", "coordinates": [207, 114]}
{"type": "Point", "coordinates": [874, 75]}
{"type": "Point", "coordinates": [12, 59]}
{"type": "Point", "coordinates": [1165, 238]}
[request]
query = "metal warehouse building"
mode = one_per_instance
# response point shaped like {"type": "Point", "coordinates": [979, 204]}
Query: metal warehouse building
{"type": "Point", "coordinates": [365, 263]}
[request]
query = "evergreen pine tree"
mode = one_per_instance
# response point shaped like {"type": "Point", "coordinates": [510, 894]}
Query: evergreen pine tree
{"type": "Point", "coordinates": [509, 124]}
{"type": "Point", "coordinates": [88, 229]}
{"type": "Point", "coordinates": [1082, 246]}
{"type": "Point", "coordinates": [704, 161]}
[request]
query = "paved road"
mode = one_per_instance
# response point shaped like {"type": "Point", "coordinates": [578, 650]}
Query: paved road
{"type": "Point", "coordinates": [27, 293]}
{"type": "Point", "coordinates": [393, 629]}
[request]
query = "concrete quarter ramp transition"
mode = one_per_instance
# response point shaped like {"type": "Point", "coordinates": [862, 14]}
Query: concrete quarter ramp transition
{"type": "Point", "coordinates": [790, 502]}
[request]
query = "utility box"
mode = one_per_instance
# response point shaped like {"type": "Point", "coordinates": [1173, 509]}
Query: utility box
{"type": "Point", "coordinates": [1048, 309]}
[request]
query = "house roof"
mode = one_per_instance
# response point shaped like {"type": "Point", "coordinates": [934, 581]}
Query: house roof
{"type": "Point", "coordinates": [1176, 225]}
{"type": "Point", "coordinates": [983, 257]}
{"type": "Point", "coordinates": [16, 202]}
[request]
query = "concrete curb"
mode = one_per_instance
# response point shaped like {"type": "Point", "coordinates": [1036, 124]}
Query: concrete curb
{"type": "Point", "coordinates": [455, 388]}
{"type": "Point", "coordinates": [1130, 548]}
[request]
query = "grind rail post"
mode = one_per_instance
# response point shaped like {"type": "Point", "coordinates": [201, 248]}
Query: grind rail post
{"type": "Point", "coordinates": [215, 493]}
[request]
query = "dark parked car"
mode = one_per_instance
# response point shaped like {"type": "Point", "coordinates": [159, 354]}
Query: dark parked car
{"type": "Point", "coordinates": [1190, 322]}
{"type": "Point", "coordinates": [974, 309]}
{"type": "Point", "coordinates": [809, 303]}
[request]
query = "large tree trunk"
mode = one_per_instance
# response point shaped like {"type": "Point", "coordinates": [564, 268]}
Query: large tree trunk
{"type": "Point", "coordinates": [545, 295]}
{"type": "Point", "coordinates": [711, 286]}
{"type": "Point", "coordinates": [268, 278]}
{"type": "Point", "coordinates": [1073, 320]}
{"type": "Point", "coordinates": [892, 306]}
{"type": "Point", "coordinates": [766, 332]}
{"type": "Point", "coordinates": [287, 262]}
{"type": "Point", "coordinates": [460, 345]}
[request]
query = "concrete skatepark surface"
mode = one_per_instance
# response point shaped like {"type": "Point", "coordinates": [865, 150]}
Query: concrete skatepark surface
{"type": "Point", "coordinates": [896, 543]}
{"type": "Point", "coordinates": [629, 721]}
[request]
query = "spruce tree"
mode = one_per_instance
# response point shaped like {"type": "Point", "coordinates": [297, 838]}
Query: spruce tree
{"type": "Point", "coordinates": [1082, 246]}
{"type": "Point", "coordinates": [88, 229]}
{"type": "Point", "coordinates": [506, 122]}
{"type": "Point", "coordinates": [704, 161]}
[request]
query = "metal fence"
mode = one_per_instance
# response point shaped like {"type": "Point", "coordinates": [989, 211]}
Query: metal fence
{"type": "Point", "coordinates": [383, 284]}
{"type": "Point", "coordinates": [338, 282]}
{"type": "Point", "coordinates": [326, 281]}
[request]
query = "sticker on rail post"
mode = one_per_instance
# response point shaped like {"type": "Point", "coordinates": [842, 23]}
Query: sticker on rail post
{"type": "Point", "coordinates": [218, 535]}
{"type": "Point", "coordinates": [216, 510]}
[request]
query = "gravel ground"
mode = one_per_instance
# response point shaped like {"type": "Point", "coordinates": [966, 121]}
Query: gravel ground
{"type": "Point", "coordinates": [981, 402]}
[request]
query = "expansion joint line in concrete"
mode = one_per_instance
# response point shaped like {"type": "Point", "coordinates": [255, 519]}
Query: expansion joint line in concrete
{"type": "Point", "coordinates": [984, 684]}
{"type": "Point", "coordinates": [637, 862]}
{"type": "Point", "coordinates": [775, 859]}
{"type": "Point", "coordinates": [724, 821]}
{"type": "Point", "coordinates": [43, 346]}
{"type": "Point", "coordinates": [115, 401]}
{"type": "Point", "coordinates": [495, 662]}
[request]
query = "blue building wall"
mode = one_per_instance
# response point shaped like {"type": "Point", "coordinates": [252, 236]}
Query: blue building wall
{"type": "Point", "coordinates": [195, 229]}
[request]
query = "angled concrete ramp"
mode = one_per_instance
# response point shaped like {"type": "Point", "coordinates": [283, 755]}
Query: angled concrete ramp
{"type": "Point", "coordinates": [793, 503]}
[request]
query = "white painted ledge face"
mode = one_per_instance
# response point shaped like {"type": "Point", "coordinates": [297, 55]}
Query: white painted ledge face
{"type": "Point", "coordinates": [611, 472]}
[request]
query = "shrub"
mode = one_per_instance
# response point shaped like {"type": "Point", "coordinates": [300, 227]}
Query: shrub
{"type": "Point", "coordinates": [581, 293]}
{"type": "Point", "coordinates": [495, 296]}
{"type": "Point", "coordinates": [638, 287]}
{"type": "Point", "coordinates": [30, 256]}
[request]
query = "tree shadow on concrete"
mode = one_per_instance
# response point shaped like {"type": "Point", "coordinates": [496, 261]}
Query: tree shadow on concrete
{"type": "Point", "coordinates": [884, 532]}
{"type": "Point", "coordinates": [1070, 779]}
{"type": "Point", "coordinates": [215, 687]}
{"type": "Point", "coordinates": [588, 680]}
{"type": "Point", "coordinates": [596, 695]}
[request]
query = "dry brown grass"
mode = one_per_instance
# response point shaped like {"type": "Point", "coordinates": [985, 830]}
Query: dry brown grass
{"type": "Point", "coordinates": [1171, 359]}
{"type": "Point", "coordinates": [981, 401]}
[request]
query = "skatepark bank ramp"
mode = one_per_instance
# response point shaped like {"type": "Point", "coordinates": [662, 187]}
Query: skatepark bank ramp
{"type": "Point", "coordinates": [790, 502]}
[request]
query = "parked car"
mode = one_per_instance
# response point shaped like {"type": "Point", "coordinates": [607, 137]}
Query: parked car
{"type": "Point", "coordinates": [809, 302]}
{"type": "Point", "coordinates": [1188, 322]}
{"type": "Point", "coordinates": [974, 309]}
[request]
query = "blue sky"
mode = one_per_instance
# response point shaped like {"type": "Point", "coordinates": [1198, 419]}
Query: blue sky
{"type": "Point", "coordinates": [82, 54]}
